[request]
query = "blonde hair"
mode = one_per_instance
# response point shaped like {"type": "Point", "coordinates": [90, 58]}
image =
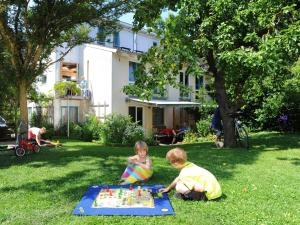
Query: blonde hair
{"type": "Point", "coordinates": [176, 155]}
{"type": "Point", "coordinates": [44, 129]}
{"type": "Point", "coordinates": [142, 145]}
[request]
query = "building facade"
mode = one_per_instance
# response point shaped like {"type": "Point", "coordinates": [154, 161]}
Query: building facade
{"type": "Point", "coordinates": [102, 69]}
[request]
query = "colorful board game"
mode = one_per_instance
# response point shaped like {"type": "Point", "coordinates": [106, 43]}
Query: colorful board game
{"type": "Point", "coordinates": [124, 198]}
{"type": "Point", "coordinates": [130, 200]}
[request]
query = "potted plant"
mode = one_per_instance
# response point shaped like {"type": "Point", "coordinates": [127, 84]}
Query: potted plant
{"type": "Point", "coordinates": [66, 88]}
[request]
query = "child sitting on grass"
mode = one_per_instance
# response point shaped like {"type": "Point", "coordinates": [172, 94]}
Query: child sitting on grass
{"type": "Point", "coordinates": [139, 166]}
{"type": "Point", "coordinates": [193, 182]}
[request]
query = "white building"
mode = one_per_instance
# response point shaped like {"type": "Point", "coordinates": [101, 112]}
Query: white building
{"type": "Point", "coordinates": [107, 67]}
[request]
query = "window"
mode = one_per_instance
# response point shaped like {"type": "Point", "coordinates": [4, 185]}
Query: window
{"type": "Point", "coordinates": [154, 43]}
{"type": "Point", "coordinates": [68, 71]}
{"type": "Point", "coordinates": [132, 69]}
{"type": "Point", "coordinates": [116, 39]}
{"type": "Point", "coordinates": [42, 79]}
{"type": "Point", "coordinates": [101, 36]}
{"type": "Point", "coordinates": [159, 93]}
{"type": "Point", "coordinates": [198, 82]}
{"type": "Point", "coordinates": [158, 117]}
{"type": "Point", "coordinates": [136, 114]}
{"type": "Point", "coordinates": [184, 80]}
{"type": "Point", "coordinates": [73, 114]}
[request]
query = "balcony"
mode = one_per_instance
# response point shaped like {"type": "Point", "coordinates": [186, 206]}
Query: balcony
{"type": "Point", "coordinates": [71, 90]}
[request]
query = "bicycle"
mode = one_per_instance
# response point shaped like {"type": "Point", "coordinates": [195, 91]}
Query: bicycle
{"type": "Point", "coordinates": [24, 144]}
{"type": "Point", "coordinates": [240, 130]}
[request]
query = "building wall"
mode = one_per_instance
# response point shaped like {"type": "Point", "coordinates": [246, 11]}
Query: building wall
{"type": "Point", "coordinates": [120, 78]}
{"type": "Point", "coordinates": [74, 56]}
{"type": "Point", "coordinates": [144, 42]}
{"type": "Point", "coordinates": [120, 65]}
{"type": "Point", "coordinates": [126, 38]}
{"type": "Point", "coordinates": [106, 69]}
{"type": "Point", "coordinates": [97, 61]}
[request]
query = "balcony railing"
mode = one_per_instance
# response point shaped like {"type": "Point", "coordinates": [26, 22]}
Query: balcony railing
{"type": "Point", "coordinates": [71, 89]}
{"type": "Point", "coordinates": [185, 95]}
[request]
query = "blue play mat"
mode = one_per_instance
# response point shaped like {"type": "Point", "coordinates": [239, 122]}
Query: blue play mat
{"type": "Point", "coordinates": [114, 202]}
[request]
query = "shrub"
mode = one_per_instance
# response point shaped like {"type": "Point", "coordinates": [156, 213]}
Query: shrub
{"type": "Point", "coordinates": [203, 127]}
{"type": "Point", "coordinates": [36, 119]}
{"type": "Point", "coordinates": [75, 130]}
{"type": "Point", "coordinates": [113, 129]}
{"type": "Point", "coordinates": [132, 133]}
{"type": "Point", "coordinates": [190, 137]}
{"type": "Point", "coordinates": [50, 130]}
{"type": "Point", "coordinates": [151, 140]}
{"type": "Point", "coordinates": [39, 120]}
{"type": "Point", "coordinates": [91, 128]}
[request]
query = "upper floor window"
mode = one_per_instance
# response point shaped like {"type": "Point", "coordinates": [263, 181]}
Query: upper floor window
{"type": "Point", "coordinates": [132, 69]}
{"type": "Point", "coordinates": [198, 82]}
{"type": "Point", "coordinates": [159, 93]}
{"type": "Point", "coordinates": [42, 79]}
{"type": "Point", "coordinates": [101, 36]}
{"type": "Point", "coordinates": [116, 39]}
{"type": "Point", "coordinates": [184, 80]}
{"type": "Point", "coordinates": [154, 43]}
{"type": "Point", "coordinates": [68, 71]}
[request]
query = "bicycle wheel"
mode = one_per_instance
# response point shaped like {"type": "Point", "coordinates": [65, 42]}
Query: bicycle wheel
{"type": "Point", "coordinates": [36, 149]}
{"type": "Point", "coordinates": [19, 151]}
{"type": "Point", "coordinates": [243, 137]}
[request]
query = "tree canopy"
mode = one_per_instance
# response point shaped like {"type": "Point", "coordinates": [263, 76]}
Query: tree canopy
{"type": "Point", "coordinates": [247, 46]}
{"type": "Point", "coordinates": [31, 30]}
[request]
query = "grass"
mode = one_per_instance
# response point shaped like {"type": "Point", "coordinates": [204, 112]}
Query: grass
{"type": "Point", "coordinates": [260, 186]}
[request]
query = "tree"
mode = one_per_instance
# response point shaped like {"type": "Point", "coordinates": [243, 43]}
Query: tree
{"type": "Point", "coordinates": [31, 30]}
{"type": "Point", "coordinates": [242, 44]}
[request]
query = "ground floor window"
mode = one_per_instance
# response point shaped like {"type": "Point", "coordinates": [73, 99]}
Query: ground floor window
{"type": "Point", "coordinates": [73, 114]}
{"type": "Point", "coordinates": [136, 113]}
{"type": "Point", "coordinates": [158, 117]}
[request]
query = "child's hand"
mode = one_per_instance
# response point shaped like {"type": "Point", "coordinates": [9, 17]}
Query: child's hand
{"type": "Point", "coordinates": [131, 160]}
{"type": "Point", "coordinates": [137, 163]}
{"type": "Point", "coordinates": [163, 190]}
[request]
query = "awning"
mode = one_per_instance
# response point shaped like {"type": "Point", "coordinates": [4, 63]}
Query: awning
{"type": "Point", "coordinates": [164, 103]}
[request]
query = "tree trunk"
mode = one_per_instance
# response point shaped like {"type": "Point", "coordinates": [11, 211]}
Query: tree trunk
{"type": "Point", "coordinates": [223, 102]}
{"type": "Point", "coordinates": [23, 100]}
{"type": "Point", "coordinates": [225, 109]}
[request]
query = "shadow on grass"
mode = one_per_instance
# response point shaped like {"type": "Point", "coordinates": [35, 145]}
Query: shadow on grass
{"type": "Point", "coordinates": [97, 164]}
{"type": "Point", "coordinates": [275, 141]}
{"type": "Point", "coordinates": [295, 161]}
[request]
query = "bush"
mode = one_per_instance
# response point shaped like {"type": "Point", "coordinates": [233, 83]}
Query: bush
{"type": "Point", "coordinates": [50, 130]}
{"type": "Point", "coordinates": [133, 132]}
{"type": "Point", "coordinates": [113, 129]}
{"type": "Point", "coordinates": [203, 127]}
{"type": "Point", "coordinates": [39, 120]}
{"type": "Point", "coordinates": [91, 128]}
{"type": "Point", "coordinates": [75, 130]}
{"type": "Point", "coordinates": [36, 119]}
{"type": "Point", "coordinates": [190, 137]}
{"type": "Point", "coordinates": [151, 140]}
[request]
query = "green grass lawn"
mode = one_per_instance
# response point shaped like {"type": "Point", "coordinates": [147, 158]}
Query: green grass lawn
{"type": "Point", "coordinates": [260, 186]}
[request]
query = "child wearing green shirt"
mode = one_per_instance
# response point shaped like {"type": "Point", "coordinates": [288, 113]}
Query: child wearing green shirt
{"type": "Point", "coordinates": [193, 182]}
